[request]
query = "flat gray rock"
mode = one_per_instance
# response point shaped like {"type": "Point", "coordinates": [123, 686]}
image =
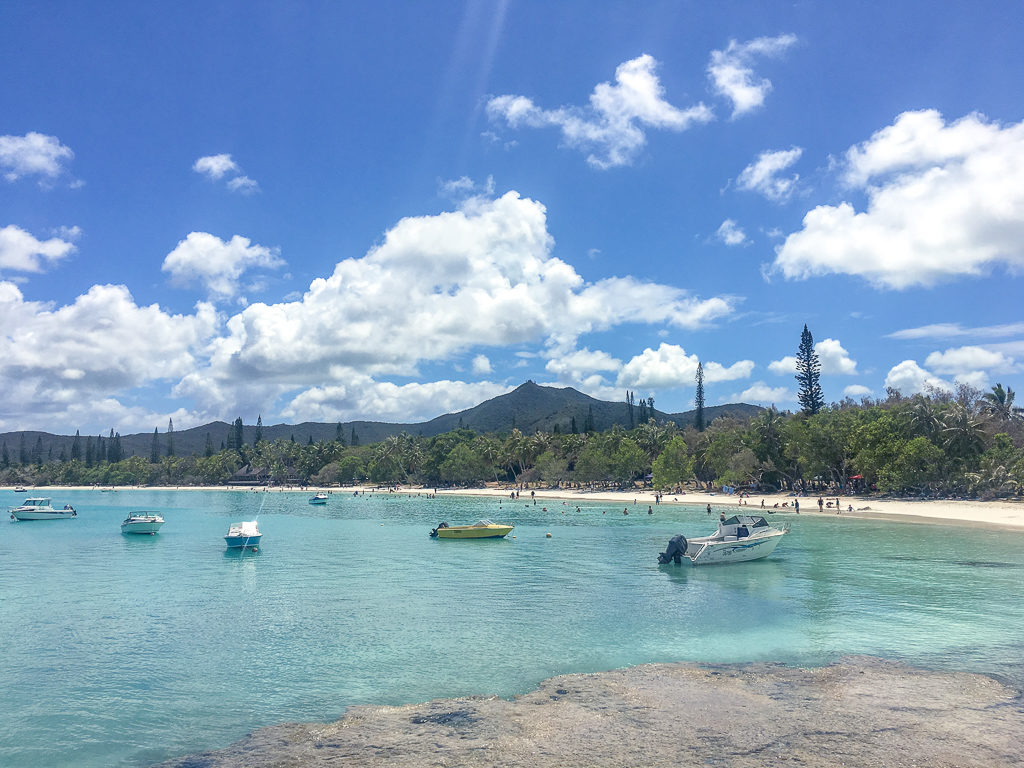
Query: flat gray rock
{"type": "Point", "coordinates": [859, 712]}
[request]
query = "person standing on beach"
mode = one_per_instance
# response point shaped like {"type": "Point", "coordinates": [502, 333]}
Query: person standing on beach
{"type": "Point", "coordinates": [821, 504]}
{"type": "Point", "coordinates": [796, 505]}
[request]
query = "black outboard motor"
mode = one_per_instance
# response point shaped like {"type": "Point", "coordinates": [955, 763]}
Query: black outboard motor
{"type": "Point", "coordinates": [675, 550]}
{"type": "Point", "coordinates": [433, 533]}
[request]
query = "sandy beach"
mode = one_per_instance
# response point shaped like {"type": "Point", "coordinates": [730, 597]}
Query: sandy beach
{"type": "Point", "coordinates": [988, 514]}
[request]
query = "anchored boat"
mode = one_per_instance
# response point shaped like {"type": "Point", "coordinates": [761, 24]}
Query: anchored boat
{"type": "Point", "coordinates": [142, 522]}
{"type": "Point", "coordinates": [245, 535]}
{"type": "Point", "coordinates": [40, 509]}
{"type": "Point", "coordinates": [318, 498]}
{"type": "Point", "coordinates": [738, 539]}
{"type": "Point", "coordinates": [482, 529]}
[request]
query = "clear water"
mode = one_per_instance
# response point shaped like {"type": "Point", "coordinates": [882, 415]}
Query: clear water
{"type": "Point", "coordinates": [126, 650]}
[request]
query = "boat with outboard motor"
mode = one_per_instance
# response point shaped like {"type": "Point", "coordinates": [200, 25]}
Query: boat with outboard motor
{"type": "Point", "coordinates": [40, 509]}
{"type": "Point", "coordinates": [318, 498]}
{"type": "Point", "coordinates": [482, 529]}
{"type": "Point", "coordinates": [738, 539]}
{"type": "Point", "coordinates": [142, 522]}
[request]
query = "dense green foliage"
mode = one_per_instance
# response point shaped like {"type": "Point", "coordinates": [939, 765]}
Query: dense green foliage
{"type": "Point", "coordinates": [967, 444]}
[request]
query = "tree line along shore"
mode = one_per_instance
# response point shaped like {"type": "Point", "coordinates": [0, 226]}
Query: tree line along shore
{"type": "Point", "coordinates": [966, 444]}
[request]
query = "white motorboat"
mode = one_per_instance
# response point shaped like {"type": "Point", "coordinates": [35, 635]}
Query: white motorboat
{"type": "Point", "coordinates": [142, 522]}
{"type": "Point", "coordinates": [738, 539]}
{"type": "Point", "coordinates": [245, 535]}
{"type": "Point", "coordinates": [318, 498]}
{"type": "Point", "coordinates": [40, 509]}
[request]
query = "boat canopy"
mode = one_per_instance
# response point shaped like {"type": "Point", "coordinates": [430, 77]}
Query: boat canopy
{"type": "Point", "coordinates": [748, 520]}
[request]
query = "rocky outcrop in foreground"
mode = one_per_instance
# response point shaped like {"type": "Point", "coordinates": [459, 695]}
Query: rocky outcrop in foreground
{"type": "Point", "coordinates": [859, 712]}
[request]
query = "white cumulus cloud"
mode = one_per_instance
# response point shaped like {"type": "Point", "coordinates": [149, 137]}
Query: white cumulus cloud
{"type": "Point", "coordinates": [762, 176]}
{"type": "Point", "coordinates": [944, 202]}
{"type": "Point", "coordinates": [909, 378]}
{"type": "Point", "coordinates": [611, 129]}
{"type": "Point", "coordinates": [732, 75]}
{"type": "Point", "coordinates": [481, 364]}
{"type": "Point", "coordinates": [964, 360]}
{"type": "Point", "coordinates": [69, 364]}
{"type": "Point", "coordinates": [834, 359]}
{"type": "Point", "coordinates": [364, 398]}
{"type": "Point", "coordinates": [435, 288]}
{"type": "Point", "coordinates": [759, 392]}
{"type": "Point", "coordinates": [856, 390]}
{"type": "Point", "coordinates": [34, 154]}
{"type": "Point", "coordinates": [22, 252]}
{"type": "Point", "coordinates": [218, 265]}
{"type": "Point", "coordinates": [670, 366]}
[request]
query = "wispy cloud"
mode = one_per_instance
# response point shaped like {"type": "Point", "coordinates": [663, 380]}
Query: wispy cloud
{"type": "Point", "coordinates": [730, 233]}
{"type": "Point", "coordinates": [612, 128]}
{"type": "Point", "coordinates": [762, 176]}
{"type": "Point", "coordinates": [956, 330]}
{"type": "Point", "coordinates": [216, 167]}
{"type": "Point", "coordinates": [732, 75]}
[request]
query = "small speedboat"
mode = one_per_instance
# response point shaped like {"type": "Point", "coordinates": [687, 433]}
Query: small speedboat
{"type": "Point", "coordinates": [40, 509]}
{"type": "Point", "coordinates": [482, 529]}
{"type": "Point", "coordinates": [318, 498]}
{"type": "Point", "coordinates": [142, 522]}
{"type": "Point", "coordinates": [738, 539]}
{"type": "Point", "coordinates": [243, 535]}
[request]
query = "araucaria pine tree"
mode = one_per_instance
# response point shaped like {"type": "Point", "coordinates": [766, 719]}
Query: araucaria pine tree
{"type": "Point", "coordinates": [698, 400]}
{"type": "Point", "coordinates": [808, 375]}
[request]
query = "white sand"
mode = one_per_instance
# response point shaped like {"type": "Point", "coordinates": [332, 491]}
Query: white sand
{"type": "Point", "coordinates": [989, 514]}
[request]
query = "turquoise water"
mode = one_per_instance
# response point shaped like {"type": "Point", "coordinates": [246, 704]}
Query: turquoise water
{"type": "Point", "coordinates": [123, 651]}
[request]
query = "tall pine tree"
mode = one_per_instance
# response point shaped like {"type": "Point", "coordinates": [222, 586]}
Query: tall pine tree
{"type": "Point", "coordinates": [76, 447]}
{"type": "Point", "coordinates": [808, 375]}
{"type": "Point", "coordinates": [238, 434]}
{"type": "Point", "coordinates": [698, 401]}
{"type": "Point", "coordinates": [170, 437]}
{"type": "Point", "coordinates": [259, 430]}
{"type": "Point", "coordinates": [154, 449]}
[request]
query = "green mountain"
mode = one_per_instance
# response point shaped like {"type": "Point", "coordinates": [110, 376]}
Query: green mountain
{"type": "Point", "coordinates": [529, 408]}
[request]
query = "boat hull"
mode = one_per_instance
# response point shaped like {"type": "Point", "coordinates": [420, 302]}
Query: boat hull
{"type": "Point", "coordinates": [242, 542]}
{"type": "Point", "coordinates": [738, 551]}
{"type": "Point", "coordinates": [141, 527]}
{"type": "Point", "coordinates": [474, 532]}
{"type": "Point", "coordinates": [38, 514]}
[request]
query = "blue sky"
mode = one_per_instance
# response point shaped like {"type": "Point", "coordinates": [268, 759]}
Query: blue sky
{"type": "Point", "coordinates": [392, 210]}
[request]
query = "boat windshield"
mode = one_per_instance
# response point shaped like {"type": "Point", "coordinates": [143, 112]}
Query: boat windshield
{"type": "Point", "coordinates": [483, 523]}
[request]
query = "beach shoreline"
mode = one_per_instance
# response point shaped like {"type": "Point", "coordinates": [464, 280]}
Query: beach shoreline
{"type": "Point", "coordinates": [999, 514]}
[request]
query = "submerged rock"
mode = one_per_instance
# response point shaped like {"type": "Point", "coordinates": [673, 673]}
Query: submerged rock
{"type": "Point", "coordinates": [859, 712]}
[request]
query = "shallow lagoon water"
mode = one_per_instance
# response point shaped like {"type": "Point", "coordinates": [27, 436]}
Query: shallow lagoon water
{"type": "Point", "coordinates": [127, 650]}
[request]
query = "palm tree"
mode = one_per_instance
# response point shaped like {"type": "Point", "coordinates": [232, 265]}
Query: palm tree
{"type": "Point", "coordinates": [924, 417]}
{"type": "Point", "coordinates": [963, 434]}
{"type": "Point", "coordinates": [999, 405]}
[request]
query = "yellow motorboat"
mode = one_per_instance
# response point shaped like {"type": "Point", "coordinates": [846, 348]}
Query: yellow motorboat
{"type": "Point", "coordinates": [482, 529]}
